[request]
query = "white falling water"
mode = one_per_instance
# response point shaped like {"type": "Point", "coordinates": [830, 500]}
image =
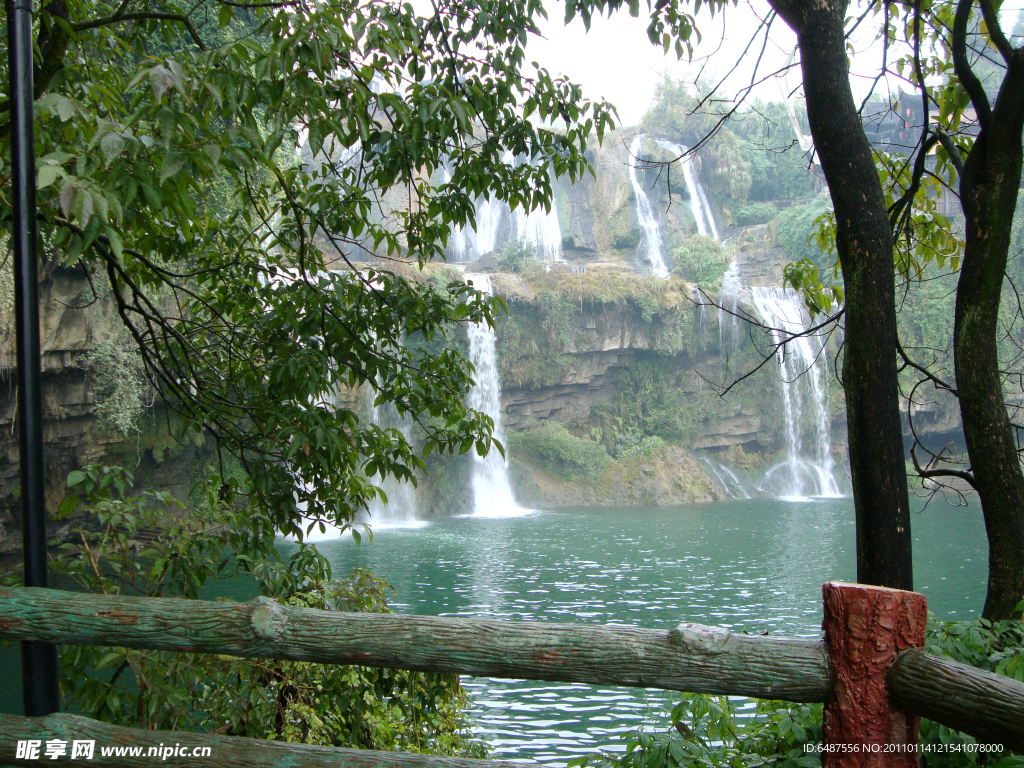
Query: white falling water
{"type": "Point", "coordinates": [699, 205]}
{"type": "Point", "coordinates": [492, 492]}
{"type": "Point", "coordinates": [803, 368]}
{"type": "Point", "coordinates": [401, 508]}
{"type": "Point", "coordinates": [645, 215]}
{"type": "Point", "coordinates": [497, 224]}
{"type": "Point", "coordinates": [729, 329]}
{"type": "Point", "coordinates": [729, 480]}
{"type": "Point", "coordinates": [541, 228]}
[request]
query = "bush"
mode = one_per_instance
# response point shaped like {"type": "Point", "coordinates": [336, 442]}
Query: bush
{"type": "Point", "coordinates": [556, 449]}
{"type": "Point", "coordinates": [754, 213]}
{"type": "Point", "coordinates": [700, 259]}
{"type": "Point", "coordinates": [516, 255]}
{"type": "Point", "coordinates": [795, 227]}
{"type": "Point", "coordinates": [324, 704]}
{"type": "Point", "coordinates": [642, 448]}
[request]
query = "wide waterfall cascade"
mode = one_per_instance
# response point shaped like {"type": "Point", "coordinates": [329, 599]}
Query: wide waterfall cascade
{"type": "Point", "coordinates": [803, 370]}
{"type": "Point", "coordinates": [651, 243]}
{"type": "Point", "coordinates": [492, 491]}
{"type": "Point", "coordinates": [699, 205]}
{"type": "Point", "coordinates": [540, 228]}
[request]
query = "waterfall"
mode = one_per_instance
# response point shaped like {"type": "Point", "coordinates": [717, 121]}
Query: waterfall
{"type": "Point", "coordinates": [729, 332]}
{"type": "Point", "coordinates": [803, 369]}
{"type": "Point", "coordinates": [496, 224]}
{"type": "Point", "coordinates": [492, 492]}
{"type": "Point", "coordinates": [728, 479]}
{"type": "Point", "coordinates": [401, 508]}
{"type": "Point", "coordinates": [541, 228]}
{"type": "Point", "coordinates": [699, 205]}
{"type": "Point", "coordinates": [645, 214]}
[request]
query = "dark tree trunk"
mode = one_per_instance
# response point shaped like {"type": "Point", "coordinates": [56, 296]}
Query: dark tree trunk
{"type": "Point", "coordinates": [864, 242]}
{"type": "Point", "coordinates": [988, 193]}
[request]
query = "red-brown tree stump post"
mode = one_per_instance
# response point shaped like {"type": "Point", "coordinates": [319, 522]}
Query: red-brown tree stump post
{"type": "Point", "coordinates": [865, 627]}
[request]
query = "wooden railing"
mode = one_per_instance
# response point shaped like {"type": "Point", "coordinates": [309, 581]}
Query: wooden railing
{"type": "Point", "coordinates": [870, 660]}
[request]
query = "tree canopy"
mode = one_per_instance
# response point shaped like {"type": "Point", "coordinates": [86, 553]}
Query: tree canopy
{"type": "Point", "coordinates": [168, 175]}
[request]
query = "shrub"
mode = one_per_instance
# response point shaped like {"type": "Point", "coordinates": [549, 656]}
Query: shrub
{"type": "Point", "coordinates": [324, 704]}
{"type": "Point", "coordinates": [700, 259]}
{"type": "Point", "coordinates": [516, 256]}
{"type": "Point", "coordinates": [754, 213]}
{"type": "Point", "coordinates": [556, 449]}
{"type": "Point", "coordinates": [795, 227]}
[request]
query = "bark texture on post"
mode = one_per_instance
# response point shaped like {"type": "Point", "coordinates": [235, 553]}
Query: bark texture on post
{"type": "Point", "coordinates": [865, 628]}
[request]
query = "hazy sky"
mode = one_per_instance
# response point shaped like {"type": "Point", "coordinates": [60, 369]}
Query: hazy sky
{"type": "Point", "coordinates": [615, 60]}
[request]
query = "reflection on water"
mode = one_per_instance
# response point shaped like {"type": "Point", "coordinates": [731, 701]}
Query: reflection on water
{"type": "Point", "coordinates": [751, 565]}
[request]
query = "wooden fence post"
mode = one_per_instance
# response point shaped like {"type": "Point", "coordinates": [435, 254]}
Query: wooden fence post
{"type": "Point", "coordinates": [865, 627]}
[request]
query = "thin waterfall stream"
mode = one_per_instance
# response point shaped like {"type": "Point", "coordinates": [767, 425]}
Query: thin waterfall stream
{"type": "Point", "coordinates": [651, 243]}
{"type": "Point", "coordinates": [492, 491]}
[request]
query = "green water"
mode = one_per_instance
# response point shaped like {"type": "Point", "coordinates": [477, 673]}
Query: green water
{"type": "Point", "coordinates": [751, 565]}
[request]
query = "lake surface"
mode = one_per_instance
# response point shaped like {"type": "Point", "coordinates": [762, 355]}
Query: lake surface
{"type": "Point", "coordinates": [753, 565]}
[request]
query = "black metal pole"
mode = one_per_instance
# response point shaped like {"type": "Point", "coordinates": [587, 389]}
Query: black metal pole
{"type": "Point", "coordinates": [41, 693]}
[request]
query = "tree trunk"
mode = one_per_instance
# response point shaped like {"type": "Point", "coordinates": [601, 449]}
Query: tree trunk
{"type": "Point", "coordinates": [864, 242]}
{"type": "Point", "coordinates": [988, 194]}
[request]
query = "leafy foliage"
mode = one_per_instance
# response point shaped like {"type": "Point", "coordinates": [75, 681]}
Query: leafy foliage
{"type": "Point", "coordinates": [167, 170]}
{"type": "Point", "coordinates": [700, 259]}
{"type": "Point", "coordinates": [704, 731]}
{"type": "Point", "coordinates": [778, 169]}
{"type": "Point", "coordinates": [993, 646]}
{"type": "Point", "coordinates": [322, 704]}
{"type": "Point", "coordinates": [754, 213]}
{"type": "Point", "coordinates": [552, 445]}
{"type": "Point", "coordinates": [516, 255]}
{"type": "Point", "coordinates": [120, 382]}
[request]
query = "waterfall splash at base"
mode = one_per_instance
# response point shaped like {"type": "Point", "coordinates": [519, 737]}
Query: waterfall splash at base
{"type": "Point", "coordinates": [803, 369]}
{"type": "Point", "coordinates": [492, 492]}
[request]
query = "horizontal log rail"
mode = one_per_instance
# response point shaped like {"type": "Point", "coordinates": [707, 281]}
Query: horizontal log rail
{"type": "Point", "coordinates": [989, 707]}
{"type": "Point", "coordinates": [690, 658]}
{"type": "Point", "coordinates": [175, 749]}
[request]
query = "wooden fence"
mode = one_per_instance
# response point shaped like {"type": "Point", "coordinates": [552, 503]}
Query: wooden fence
{"type": "Point", "coordinates": [869, 664]}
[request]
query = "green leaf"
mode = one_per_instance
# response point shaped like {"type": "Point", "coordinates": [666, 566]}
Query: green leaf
{"type": "Point", "coordinates": [68, 506]}
{"type": "Point", "coordinates": [46, 176]}
{"type": "Point", "coordinates": [172, 163]}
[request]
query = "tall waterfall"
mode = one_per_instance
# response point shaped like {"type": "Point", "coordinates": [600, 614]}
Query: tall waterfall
{"type": "Point", "coordinates": [651, 243]}
{"type": "Point", "coordinates": [401, 508]}
{"type": "Point", "coordinates": [497, 224]}
{"type": "Point", "coordinates": [699, 205]}
{"type": "Point", "coordinates": [492, 492]}
{"type": "Point", "coordinates": [803, 369]}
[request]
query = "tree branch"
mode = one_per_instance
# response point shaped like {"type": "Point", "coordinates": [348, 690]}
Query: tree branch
{"type": "Point", "coordinates": [962, 66]}
{"type": "Point", "coordinates": [995, 32]}
{"type": "Point", "coordinates": [142, 15]}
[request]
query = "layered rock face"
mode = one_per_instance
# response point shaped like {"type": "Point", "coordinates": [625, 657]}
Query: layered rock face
{"type": "Point", "coordinates": [71, 324]}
